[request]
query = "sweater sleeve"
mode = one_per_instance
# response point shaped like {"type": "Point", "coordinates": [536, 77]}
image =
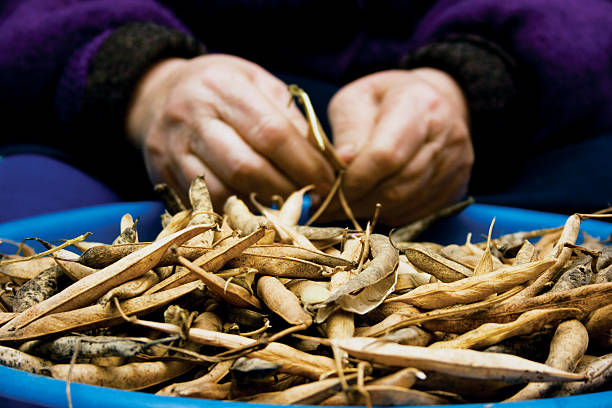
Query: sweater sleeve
{"type": "Point", "coordinates": [111, 65]}
{"type": "Point", "coordinates": [68, 68]}
{"type": "Point", "coordinates": [536, 74]}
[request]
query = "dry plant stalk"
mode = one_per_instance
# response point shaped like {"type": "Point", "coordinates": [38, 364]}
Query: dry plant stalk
{"type": "Point", "coordinates": [411, 231]}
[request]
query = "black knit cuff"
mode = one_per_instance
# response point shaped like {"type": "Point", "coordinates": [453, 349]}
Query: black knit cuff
{"type": "Point", "coordinates": [113, 74]}
{"type": "Point", "coordinates": [123, 59]}
{"type": "Point", "coordinates": [489, 80]}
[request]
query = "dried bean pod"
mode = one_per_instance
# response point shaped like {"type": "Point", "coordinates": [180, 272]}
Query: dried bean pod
{"type": "Point", "coordinates": [290, 251]}
{"type": "Point", "coordinates": [577, 274]}
{"type": "Point", "coordinates": [129, 231]}
{"type": "Point", "coordinates": [102, 256]}
{"type": "Point", "coordinates": [40, 288]}
{"type": "Point", "coordinates": [63, 348]}
{"type": "Point", "coordinates": [599, 326]}
{"type": "Point", "coordinates": [293, 361]}
{"type": "Point", "coordinates": [282, 301]}
{"type": "Point", "coordinates": [384, 262]}
{"type": "Point", "coordinates": [604, 275]}
{"type": "Point", "coordinates": [599, 372]}
{"type": "Point", "coordinates": [492, 333]}
{"type": "Point", "coordinates": [202, 212]}
{"type": "Point", "coordinates": [385, 395]}
{"type": "Point", "coordinates": [131, 288]}
{"type": "Point", "coordinates": [466, 363]}
{"type": "Point", "coordinates": [560, 254]}
{"type": "Point", "coordinates": [405, 378]}
{"type": "Point", "coordinates": [204, 387]}
{"type": "Point", "coordinates": [26, 270]}
{"type": "Point", "coordinates": [131, 376]}
{"type": "Point", "coordinates": [280, 267]}
{"type": "Point", "coordinates": [435, 264]}
{"type": "Point", "coordinates": [566, 349]}
{"type": "Point", "coordinates": [170, 197]}
{"type": "Point", "coordinates": [19, 360]}
{"type": "Point", "coordinates": [310, 393]}
{"type": "Point", "coordinates": [74, 270]}
{"type": "Point", "coordinates": [240, 217]}
{"type": "Point", "coordinates": [96, 315]}
{"type": "Point", "coordinates": [472, 289]}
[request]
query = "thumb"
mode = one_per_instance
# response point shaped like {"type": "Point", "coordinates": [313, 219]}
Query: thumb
{"type": "Point", "coordinates": [352, 115]}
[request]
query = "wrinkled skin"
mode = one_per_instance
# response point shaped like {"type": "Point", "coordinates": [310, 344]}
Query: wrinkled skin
{"type": "Point", "coordinates": [404, 135]}
{"type": "Point", "coordinates": [228, 119]}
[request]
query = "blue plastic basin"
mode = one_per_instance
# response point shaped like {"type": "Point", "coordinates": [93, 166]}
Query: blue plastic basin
{"type": "Point", "coordinates": [25, 390]}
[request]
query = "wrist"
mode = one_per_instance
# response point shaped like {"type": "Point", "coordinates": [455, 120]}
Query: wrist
{"type": "Point", "coordinates": [149, 96]}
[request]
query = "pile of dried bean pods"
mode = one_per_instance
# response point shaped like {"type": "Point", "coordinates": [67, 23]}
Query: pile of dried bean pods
{"type": "Point", "coordinates": [256, 308]}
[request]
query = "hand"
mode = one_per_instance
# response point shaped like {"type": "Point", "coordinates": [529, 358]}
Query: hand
{"type": "Point", "coordinates": [228, 119]}
{"type": "Point", "coordinates": [405, 137]}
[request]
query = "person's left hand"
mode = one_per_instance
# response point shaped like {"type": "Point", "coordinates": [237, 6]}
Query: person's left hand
{"type": "Point", "coordinates": [405, 137]}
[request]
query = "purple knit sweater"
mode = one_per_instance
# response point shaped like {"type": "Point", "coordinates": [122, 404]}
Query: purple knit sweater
{"type": "Point", "coordinates": [535, 72]}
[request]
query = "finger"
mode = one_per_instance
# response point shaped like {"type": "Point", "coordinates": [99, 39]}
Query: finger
{"type": "Point", "coordinates": [454, 187]}
{"type": "Point", "coordinates": [272, 135]}
{"type": "Point", "coordinates": [397, 137]}
{"type": "Point", "coordinates": [277, 93]}
{"type": "Point", "coordinates": [427, 183]}
{"type": "Point", "coordinates": [177, 166]}
{"type": "Point", "coordinates": [352, 114]}
{"type": "Point", "coordinates": [236, 164]}
{"type": "Point", "coordinates": [405, 190]}
{"type": "Point", "coordinates": [162, 149]}
{"type": "Point", "coordinates": [191, 166]}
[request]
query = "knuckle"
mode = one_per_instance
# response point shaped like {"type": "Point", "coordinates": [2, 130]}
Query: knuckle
{"type": "Point", "coordinates": [434, 102]}
{"type": "Point", "coordinates": [175, 111]}
{"type": "Point", "coordinates": [387, 160]}
{"type": "Point", "coordinates": [269, 132]}
{"type": "Point", "coordinates": [436, 126]}
{"type": "Point", "coordinates": [392, 194]}
{"type": "Point", "coordinates": [241, 171]}
{"type": "Point", "coordinates": [431, 100]}
{"type": "Point", "coordinates": [214, 75]}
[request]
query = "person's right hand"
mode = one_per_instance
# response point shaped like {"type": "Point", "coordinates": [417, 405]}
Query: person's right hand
{"type": "Point", "coordinates": [227, 119]}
